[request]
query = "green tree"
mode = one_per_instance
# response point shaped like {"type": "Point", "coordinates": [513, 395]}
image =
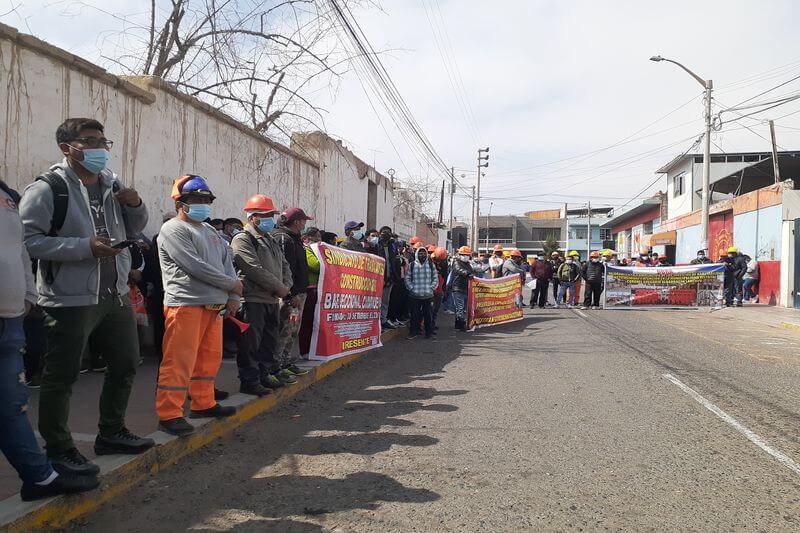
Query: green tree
{"type": "Point", "coordinates": [550, 246]}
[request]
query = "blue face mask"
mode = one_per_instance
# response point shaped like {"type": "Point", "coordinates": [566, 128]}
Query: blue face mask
{"type": "Point", "coordinates": [266, 225]}
{"type": "Point", "coordinates": [373, 240]}
{"type": "Point", "coordinates": [358, 235]}
{"type": "Point", "coordinates": [94, 159]}
{"type": "Point", "coordinates": [199, 212]}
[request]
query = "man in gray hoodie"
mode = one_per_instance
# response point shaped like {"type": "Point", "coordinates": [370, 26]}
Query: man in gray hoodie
{"type": "Point", "coordinates": [83, 266]}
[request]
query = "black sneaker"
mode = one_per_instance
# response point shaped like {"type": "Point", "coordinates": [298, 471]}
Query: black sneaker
{"type": "Point", "coordinates": [271, 381]}
{"type": "Point", "coordinates": [220, 395]}
{"type": "Point", "coordinates": [286, 377]}
{"type": "Point", "coordinates": [218, 411]}
{"type": "Point", "coordinates": [72, 462]}
{"type": "Point", "coordinates": [122, 441]}
{"type": "Point", "coordinates": [296, 370]}
{"type": "Point", "coordinates": [254, 389]}
{"type": "Point", "coordinates": [34, 382]}
{"type": "Point", "coordinates": [63, 484]}
{"type": "Point", "coordinates": [176, 426]}
{"type": "Point", "coordinates": [412, 336]}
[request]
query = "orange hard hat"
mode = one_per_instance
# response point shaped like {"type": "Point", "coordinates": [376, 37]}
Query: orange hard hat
{"type": "Point", "coordinates": [431, 248]}
{"type": "Point", "coordinates": [594, 254]}
{"type": "Point", "coordinates": [260, 203]}
{"type": "Point", "coordinates": [440, 254]}
{"type": "Point", "coordinates": [417, 245]}
{"type": "Point", "coordinates": [516, 253]}
{"type": "Point", "coordinates": [465, 250]}
{"type": "Point", "coordinates": [413, 240]}
{"type": "Point", "coordinates": [498, 248]}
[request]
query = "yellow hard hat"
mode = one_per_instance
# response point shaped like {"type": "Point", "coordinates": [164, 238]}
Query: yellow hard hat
{"type": "Point", "coordinates": [733, 250]}
{"type": "Point", "coordinates": [574, 252]}
{"type": "Point", "coordinates": [606, 253]}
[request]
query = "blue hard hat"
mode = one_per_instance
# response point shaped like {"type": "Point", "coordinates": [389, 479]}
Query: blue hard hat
{"type": "Point", "coordinates": [196, 185]}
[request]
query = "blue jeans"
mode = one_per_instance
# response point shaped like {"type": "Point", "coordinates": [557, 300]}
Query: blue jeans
{"type": "Point", "coordinates": [460, 302]}
{"type": "Point", "coordinates": [748, 289]}
{"type": "Point", "coordinates": [17, 440]}
{"type": "Point", "coordinates": [562, 292]}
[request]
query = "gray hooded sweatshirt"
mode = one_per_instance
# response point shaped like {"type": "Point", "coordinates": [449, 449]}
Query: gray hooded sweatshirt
{"type": "Point", "coordinates": [17, 286]}
{"type": "Point", "coordinates": [75, 270]}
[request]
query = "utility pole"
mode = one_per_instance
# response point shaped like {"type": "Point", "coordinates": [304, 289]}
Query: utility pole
{"type": "Point", "coordinates": [483, 162]}
{"type": "Point", "coordinates": [589, 231]}
{"type": "Point", "coordinates": [775, 164]}
{"type": "Point", "coordinates": [487, 226]}
{"type": "Point", "coordinates": [452, 192]}
{"type": "Point", "coordinates": [474, 221]}
{"type": "Point", "coordinates": [708, 85]}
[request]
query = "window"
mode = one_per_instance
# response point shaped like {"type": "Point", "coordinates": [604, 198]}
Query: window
{"type": "Point", "coordinates": [677, 184]}
{"type": "Point", "coordinates": [578, 233]}
{"type": "Point", "coordinates": [647, 228]}
{"type": "Point", "coordinates": [605, 234]}
{"type": "Point", "coordinates": [542, 234]}
{"type": "Point", "coordinates": [717, 158]}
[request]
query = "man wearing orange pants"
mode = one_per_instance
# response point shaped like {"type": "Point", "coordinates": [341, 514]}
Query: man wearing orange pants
{"type": "Point", "coordinates": [199, 283]}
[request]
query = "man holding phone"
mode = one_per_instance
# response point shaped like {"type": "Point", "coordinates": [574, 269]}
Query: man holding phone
{"type": "Point", "coordinates": [82, 285]}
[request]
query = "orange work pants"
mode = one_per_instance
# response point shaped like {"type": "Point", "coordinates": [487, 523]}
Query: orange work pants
{"type": "Point", "coordinates": [192, 356]}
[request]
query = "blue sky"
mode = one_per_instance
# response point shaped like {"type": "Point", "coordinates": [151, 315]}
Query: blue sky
{"type": "Point", "coordinates": [542, 82]}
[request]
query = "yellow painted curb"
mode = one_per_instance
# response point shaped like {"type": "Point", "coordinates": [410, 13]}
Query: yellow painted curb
{"type": "Point", "coordinates": [63, 509]}
{"type": "Point", "coordinates": [790, 325]}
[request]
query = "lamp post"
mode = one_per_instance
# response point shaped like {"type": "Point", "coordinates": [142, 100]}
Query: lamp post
{"type": "Point", "coordinates": [491, 204]}
{"type": "Point", "coordinates": [708, 85]}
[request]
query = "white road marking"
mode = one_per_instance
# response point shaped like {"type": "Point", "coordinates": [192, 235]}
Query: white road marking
{"type": "Point", "coordinates": [728, 419]}
{"type": "Point", "coordinates": [581, 313]}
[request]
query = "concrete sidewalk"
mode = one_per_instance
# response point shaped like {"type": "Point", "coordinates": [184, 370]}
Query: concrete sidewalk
{"type": "Point", "coordinates": [767, 315]}
{"type": "Point", "coordinates": [120, 472]}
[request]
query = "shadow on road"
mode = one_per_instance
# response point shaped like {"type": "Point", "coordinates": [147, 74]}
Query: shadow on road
{"type": "Point", "coordinates": [312, 455]}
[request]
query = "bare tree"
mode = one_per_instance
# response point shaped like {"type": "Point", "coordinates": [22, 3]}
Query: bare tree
{"type": "Point", "coordinates": [255, 59]}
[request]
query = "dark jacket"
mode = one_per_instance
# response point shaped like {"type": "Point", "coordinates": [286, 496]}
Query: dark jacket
{"type": "Point", "coordinates": [542, 270]}
{"type": "Point", "coordinates": [698, 261]}
{"type": "Point", "coordinates": [740, 265]}
{"type": "Point", "coordinates": [354, 245]}
{"type": "Point", "coordinates": [554, 264]}
{"type": "Point", "coordinates": [261, 266]}
{"type": "Point", "coordinates": [461, 272]}
{"type": "Point", "coordinates": [393, 272]}
{"type": "Point", "coordinates": [295, 254]}
{"type": "Point", "coordinates": [593, 272]}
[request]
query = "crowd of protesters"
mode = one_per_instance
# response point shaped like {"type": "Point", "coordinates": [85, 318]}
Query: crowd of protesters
{"type": "Point", "coordinates": [80, 274]}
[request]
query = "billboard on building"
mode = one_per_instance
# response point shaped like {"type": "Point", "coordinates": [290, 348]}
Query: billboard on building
{"type": "Point", "coordinates": [654, 287]}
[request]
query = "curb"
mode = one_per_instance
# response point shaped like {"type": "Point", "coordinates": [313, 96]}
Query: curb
{"type": "Point", "coordinates": [790, 325]}
{"type": "Point", "coordinates": [119, 473]}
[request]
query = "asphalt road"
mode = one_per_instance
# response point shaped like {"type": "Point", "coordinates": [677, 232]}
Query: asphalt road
{"type": "Point", "coordinates": [567, 420]}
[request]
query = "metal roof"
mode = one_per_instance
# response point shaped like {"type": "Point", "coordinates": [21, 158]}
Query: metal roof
{"type": "Point", "coordinates": [645, 206]}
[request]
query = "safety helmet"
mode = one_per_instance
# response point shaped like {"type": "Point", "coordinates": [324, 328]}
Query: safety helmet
{"type": "Point", "coordinates": [465, 250]}
{"type": "Point", "coordinates": [607, 253]}
{"type": "Point", "coordinates": [516, 253]}
{"type": "Point", "coordinates": [417, 245]}
{"type": "Point", "coordinates": [413, 240]}
{"type": "Point", "coordinates": [555, 254]}
{"type": "Point", "coordinates": [595, 254]}
{"type": "Point", "coordinates": [431, 248]}
{"type": "Point", "coordinates": [574, 253]}
{"type": "Point", "coordinates": [733, 250]}
{"type": "Point", "coordinates": [506, 253]}
{"type": "Point", "coordinates": [339, 240]}
{"type": "Point", "coordinates": [189, 184]}
{"type": "Point", "coordinates": [440, 254]}
{"type": "Point", "coordinates": [498, 248]}
{"type": "Point", "coordinates": [260, 203]}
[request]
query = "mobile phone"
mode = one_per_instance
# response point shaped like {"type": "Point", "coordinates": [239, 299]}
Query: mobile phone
{"type": "Point", "coordinates": [122, 244]}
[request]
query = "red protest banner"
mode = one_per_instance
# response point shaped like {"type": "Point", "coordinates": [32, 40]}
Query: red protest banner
{"type": "Point", "coordinates": [347, 317]}
{"type": "Point", "coordinates": [493, 301]}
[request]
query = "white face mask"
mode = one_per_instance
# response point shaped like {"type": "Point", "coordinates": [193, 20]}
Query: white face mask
{"type": "Point", "coordinates": [569, 261]}
{"type": "Point", "coordinates": [594, 260]}
{"type": "Point", "coordinates": [464, 257]}
{"type": "Point", "coordinates": [358, 235]}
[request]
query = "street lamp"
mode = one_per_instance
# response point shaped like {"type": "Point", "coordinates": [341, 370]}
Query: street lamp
{"type": "Point", "coordinates": [708, 85]}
